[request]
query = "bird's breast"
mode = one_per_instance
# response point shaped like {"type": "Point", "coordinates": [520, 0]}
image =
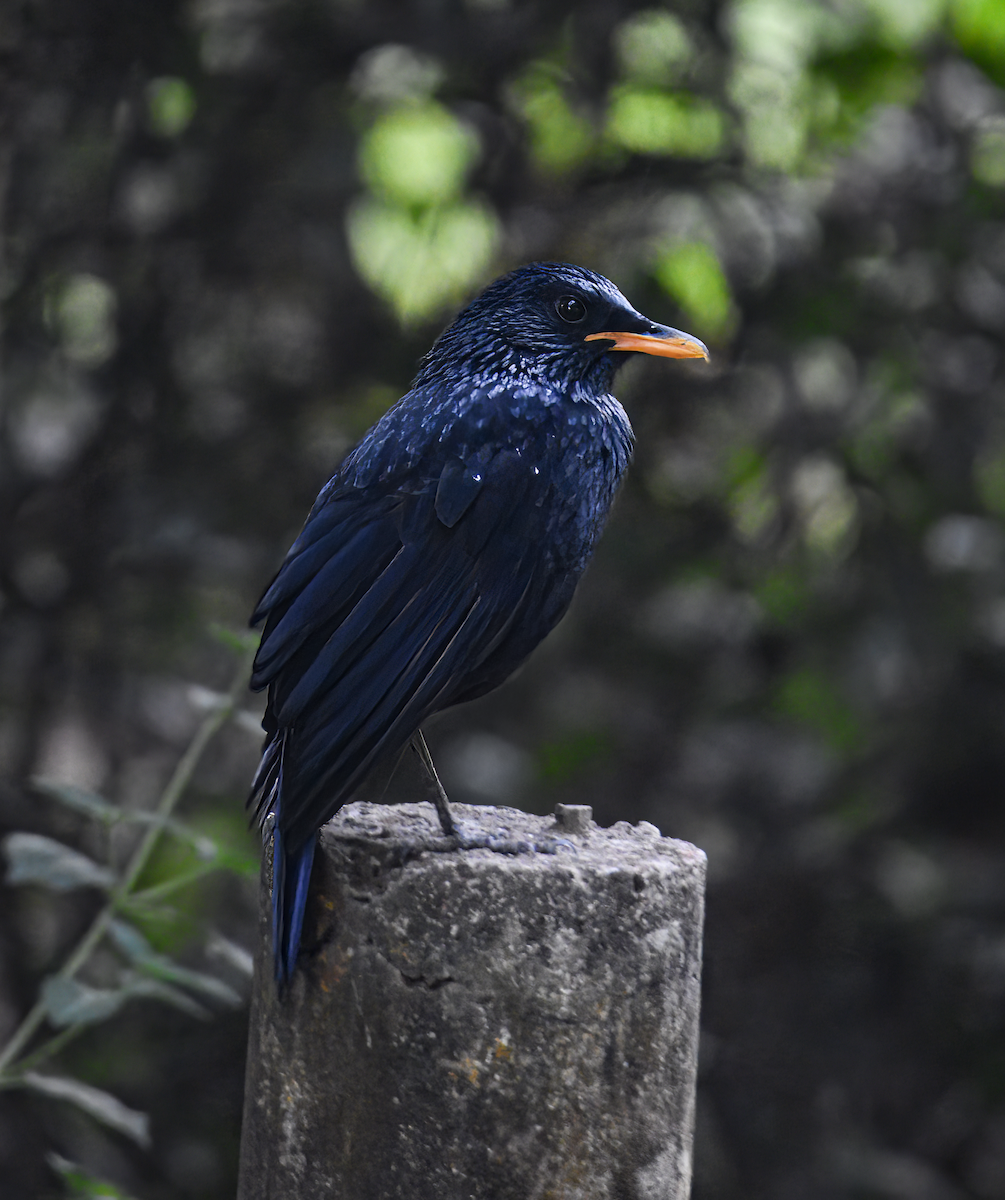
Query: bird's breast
{"type": "Point", "coordinates": [563, 453]}
{"type": "Point", "coordinates": [579, 463]}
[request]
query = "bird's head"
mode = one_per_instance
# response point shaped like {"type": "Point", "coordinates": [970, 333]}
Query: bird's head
{"type": "Point", "coordinates": [554, 320]}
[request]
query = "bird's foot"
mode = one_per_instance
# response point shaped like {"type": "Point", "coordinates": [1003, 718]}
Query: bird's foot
{"type": "Point", "coordinates": [405, 847]}
{"type": "Point", "coordinates": [456, 838]}
{"type": "Point", "coordinates": [440, 801]}
{"type": "Point", "coordinates": [502, 842]}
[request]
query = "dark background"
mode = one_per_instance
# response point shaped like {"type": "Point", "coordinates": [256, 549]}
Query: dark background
{"type": "Point", "coordinates": [230, 229]}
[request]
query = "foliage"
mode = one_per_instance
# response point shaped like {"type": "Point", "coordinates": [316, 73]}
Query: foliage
{"type": "Point", "coordinates": [231, 230]}
{"type": "Point", "coordinates": [69, 1006]}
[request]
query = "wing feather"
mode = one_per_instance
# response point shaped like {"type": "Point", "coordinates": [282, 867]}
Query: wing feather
{"type": "Point", "coordinates": [406, 616]}
{"type": "Point", "coordinates": [335, 585]}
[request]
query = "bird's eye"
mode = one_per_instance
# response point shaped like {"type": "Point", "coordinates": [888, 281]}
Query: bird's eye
{"type": "Point", "coordinates": [571, 309]}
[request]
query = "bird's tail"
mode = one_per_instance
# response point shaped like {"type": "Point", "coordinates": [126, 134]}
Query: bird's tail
{"type": "Point", "coordinates": [291, 874]}
{"type": "Point", "coordinates": [291, 870]}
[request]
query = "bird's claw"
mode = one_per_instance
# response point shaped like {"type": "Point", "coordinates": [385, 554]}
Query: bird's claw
{"type": "Point", "coordinates": [503, 844]}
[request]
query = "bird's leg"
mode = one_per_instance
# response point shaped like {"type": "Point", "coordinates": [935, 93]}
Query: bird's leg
{"type": "Point", "coordinates": [439, 795]}
{"type": "Point", "coordinates": [458, 840]}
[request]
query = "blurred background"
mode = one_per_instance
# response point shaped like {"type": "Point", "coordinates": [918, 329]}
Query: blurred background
{"type": "Point", "coordinates": [231, 228]}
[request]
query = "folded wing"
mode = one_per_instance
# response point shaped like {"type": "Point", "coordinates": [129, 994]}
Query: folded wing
{"type": "Point", "coordinates": [391, 607]}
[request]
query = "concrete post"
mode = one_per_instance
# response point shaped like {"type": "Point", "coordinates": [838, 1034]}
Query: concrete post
{"type": "Point", "coordinates": [470, 1025]}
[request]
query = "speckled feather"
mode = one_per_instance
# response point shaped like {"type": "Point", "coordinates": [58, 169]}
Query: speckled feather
{"type": "Point", "coordinates": [448, 544]}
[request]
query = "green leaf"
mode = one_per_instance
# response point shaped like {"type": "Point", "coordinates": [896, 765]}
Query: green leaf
{"type": "Point", "coordinates": [240, 862]}
{"type": "Point", "coordinates": [691, 273]}
{"type": "Point", "coordinates": [170, 105]}
{"type": "Point", "coordinates": [654, 47]}
{"type": "Point", "coordinates": [33, 858]}
{"type": "Point", "coordinates": [240, 641]}
{"type": "Point", "coordinates": [564, 759]}
{"type": "Point", "coordinates": [82, 1184]}
{"type": "Point", "coordinates": [83, 313]}
{"type": "Point", "coordinates": [987, 157]}
{"type": "Point", "coordinates": [102, 1106]}
{"type": "Point", "coordinates": [418, 154]}
{"type": "Point", "coordinates": [809, 697]}
{"type": "Point", "coordinates": [783, 595]}
{"type": "Point", "coordinates": [989, 478]}
{"type": "Point", "coordinates": [561, 138]}
{"type": "Point", "coordinates": [649, 121]}
{"type": "Point", "coordinates": [148, 908]}
{"type": "Point", "coordinates": [69, 1002]}
{"type": "Point", "coordinates": [80, 801]}
{"type": "Point", "coordinates": [752, 501]}
{"type": "Point", "coordinates": [423, 261]}
{"type": "Point", "coordinates": [148, 901]}
{"type": "Point", "coordinates": [979, 26]}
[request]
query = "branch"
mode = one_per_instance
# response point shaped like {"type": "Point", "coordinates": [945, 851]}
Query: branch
{"type": "Point", "coordinates": [10, 1069]}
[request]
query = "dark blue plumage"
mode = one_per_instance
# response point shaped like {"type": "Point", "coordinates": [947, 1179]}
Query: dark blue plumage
{"type": "Point", "coordinates": [448, 544]}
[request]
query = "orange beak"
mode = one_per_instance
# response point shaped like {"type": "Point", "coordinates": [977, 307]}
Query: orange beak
{"type": "Point", "coordinates": [673, 344]}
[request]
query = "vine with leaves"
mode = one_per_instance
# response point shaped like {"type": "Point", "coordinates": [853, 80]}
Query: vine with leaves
{"type": "Point", "coordinates": [67, 1004]}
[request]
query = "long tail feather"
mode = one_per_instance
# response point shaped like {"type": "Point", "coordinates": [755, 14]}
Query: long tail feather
{"type": "Point", "coordinates": [291, 870]}
{"type": "Point", "coordinates": [291, 874]}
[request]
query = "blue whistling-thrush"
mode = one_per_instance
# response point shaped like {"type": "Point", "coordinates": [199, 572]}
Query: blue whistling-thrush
{"type": "Point", "coordinates": [447, 545]}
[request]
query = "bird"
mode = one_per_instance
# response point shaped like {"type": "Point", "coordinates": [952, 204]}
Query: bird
{"type": "Point", "coordinates": [446, 546]}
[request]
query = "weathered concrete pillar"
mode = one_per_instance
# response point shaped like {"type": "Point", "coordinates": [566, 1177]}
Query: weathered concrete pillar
{"type": "Point", "coordinates": [477, 1026]}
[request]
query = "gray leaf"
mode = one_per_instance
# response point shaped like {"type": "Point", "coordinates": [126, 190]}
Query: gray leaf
{"type": "Point", "coordinates": [131, 942]}
{"type": "Point", "coordinates": [165, 968]}
{"type": "Point", "coordinates": [79, 800]}
{"type": "Point", "coordinates": [154, 989]}
{"type": "Point", "coordinates": [204, 847]}
{"type": "Point", "coordinates": [32, 858]}
{"type": "Point", "coordinates": [68, 1002]}
{"type": "Point", "coordinates": [103, 1106]}
{"type": "Point", "coordinates": [138, 950]}
{"type": "Point", "coordinates": [226, 951]}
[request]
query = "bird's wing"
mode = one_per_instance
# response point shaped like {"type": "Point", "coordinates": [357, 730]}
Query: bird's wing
{"type": "Point", "coordinates": [388, 609]}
